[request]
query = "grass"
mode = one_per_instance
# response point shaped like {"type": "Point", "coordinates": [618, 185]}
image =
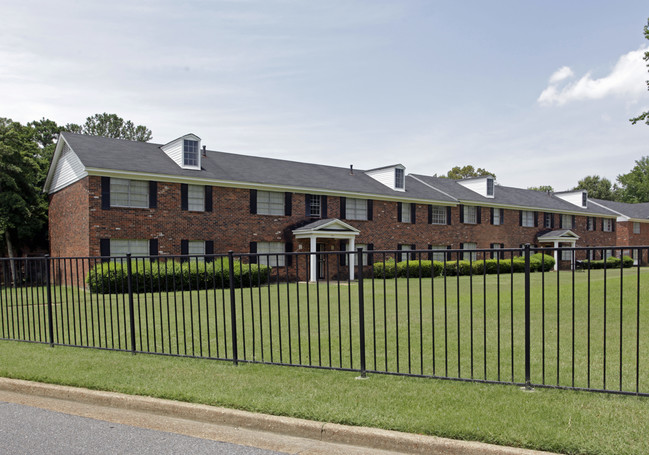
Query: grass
{"type": "Point", "coordinates": [555, 420]}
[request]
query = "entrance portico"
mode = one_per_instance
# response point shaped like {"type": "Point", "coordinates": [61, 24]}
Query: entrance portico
{"type": "Point", "coordinates": [557, 238]}
{"type": "Point", "coordinates": [331, 228]}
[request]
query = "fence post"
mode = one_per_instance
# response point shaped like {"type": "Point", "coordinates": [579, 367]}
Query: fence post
{"type": "Point", "coordinates": [361, 310]}
{"type": "Point", "coordinates": [527, 316]}
{"type": "Point", "coordinates": [131, 310]}
{"type": "Point", "coordinates": [233, 310]}
{"type": "Point", "coordinates": [50, 321]}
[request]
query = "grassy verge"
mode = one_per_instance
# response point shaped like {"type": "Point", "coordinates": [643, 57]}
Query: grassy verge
{"type": "Point", "coordinates": [560, 421]}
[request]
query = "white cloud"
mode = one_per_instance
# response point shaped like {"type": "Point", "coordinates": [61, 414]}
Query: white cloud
{"type": "Point", "coordinates": [626, 79]}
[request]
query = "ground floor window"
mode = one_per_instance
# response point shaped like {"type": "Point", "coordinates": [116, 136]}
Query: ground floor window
{"type": "Point", "coordinates": [271, 253]}
{"type": "Point", "coordinates": [137, 247]}
{"type": "Point", "coordinates": [438, 255]}
{"type": "Point", "coordinates": [469, 246]}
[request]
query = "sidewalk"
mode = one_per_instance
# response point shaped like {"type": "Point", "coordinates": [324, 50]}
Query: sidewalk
{"type": "Point", "coordinates": [282, 434]}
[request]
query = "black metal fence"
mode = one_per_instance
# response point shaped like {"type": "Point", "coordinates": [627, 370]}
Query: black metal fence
{"type": "Point", "coordinates": [498, 316]}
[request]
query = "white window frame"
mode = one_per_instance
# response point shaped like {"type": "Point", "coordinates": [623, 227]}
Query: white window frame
{"type": "Point", "coordinates": [399, 178]}
{"type": "Point", "coordinates": [405, 212]}
{"type": "Point", "coordinates": [129, 193]}
{"type": "Point", "coordinates": [315, 205]}
{"type": "Point", "coordinates": [270, 203]}
{"type": "Point", "coordinates": [591, 223]}
{"type": "Point", "coordinates": [196, 248]}
{"type": "Point", "coordinates": [527, 218]}
{"type": "Point", "coordinates": [467, 248]}
{"type": "Point", "coordinates": [636, 228]}
{"type": "Point", "coordinates": [566, 222]}
{"type": "Point", "coordinates": [497, 218]}
{"type": "Point", "coordinates": [195, 198]}
{"type": "Point", "coordinates": [438, 255]}
{"type": "Point", "coordinates": [566, 255]}
{"type": "Point", "coordinates": [191, 154]}
{"type": "Point", "coordinates": [490, 187]}
{"type": "Point", "coordinates": [470, 214]}
{"type": "Point", "coordinates": [547, 219]}
{"type": "Point", "coordinates": [404, 255]}
{"type": "Point", "coordinates": [607, 225]}
{"type": "Point", "coordinates": [363, 246]}
{"type": "Point", "coordinates": [608, 253]}
{"type": "Point", "coordinates": [356, 209]}
{"type": "Point", "coordinates": [438, 214]}
{"type": "Point", "coordinates": [276, 252]}
{"type": "Point", "coordinates": [137, 247]}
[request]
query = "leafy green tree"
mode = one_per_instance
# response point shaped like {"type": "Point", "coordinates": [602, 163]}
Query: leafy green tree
{"type": "Point", "coordinates": [110, 125]}
{"type": "Point", "coordinates": [599, 188]}
{"type": "Point", "coordinates": [465, 172]}
{"type": "Point", "coordinates": [542, 188]}
{"type": "Point", "coordinates": [635, 184]}
{"type": "Point", "coordinates": [644, 117]}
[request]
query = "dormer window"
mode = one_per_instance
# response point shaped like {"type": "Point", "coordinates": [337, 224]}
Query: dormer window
{"type": "Point", "coordinates": [490, 186]}
{"type": "Point", "coordinates": [584, 199]}
{"type": "Point", "coordinates": [190, 153]}
{"type": "Point", "coordinates": [398, 178]}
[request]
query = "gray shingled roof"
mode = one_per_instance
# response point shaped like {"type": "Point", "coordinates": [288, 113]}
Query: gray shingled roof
{"type": "Point", "coordinates": [121, 155]}
{"type": "Point", "coordinates": [637, 211]}
{"type": "Point", "coordinates": [509, 196]}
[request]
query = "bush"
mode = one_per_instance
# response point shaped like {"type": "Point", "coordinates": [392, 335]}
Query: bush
{"type": "Point", "coordinates": [611, 263]}
{"type": "Point", "coordinates": [152, 276]}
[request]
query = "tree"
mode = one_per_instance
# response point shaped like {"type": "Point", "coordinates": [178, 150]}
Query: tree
{"type": "Point", "coordinates": [635, 184]}
{"type": "Point", "coordinates": [599, 188]}
{"type": "Point", "coordinates": [542, 188]}
{"type": "Point", "coordinates": [110, 125]}
{"type": "Point", "coordinates": [458, 173]}
{"type": "Point", "coordinates": [644, 117]}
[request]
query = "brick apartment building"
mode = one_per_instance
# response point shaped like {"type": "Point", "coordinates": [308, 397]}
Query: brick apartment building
{"type": "Point", "coordinates": [109, 197]}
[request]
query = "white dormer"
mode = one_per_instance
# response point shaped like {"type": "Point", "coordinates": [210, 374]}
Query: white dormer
{"type": "Point", "coordinates": [484, 186]}
{"type": "Point", "coordinates": [185, 151]}
{"type": "Point", "coordinates": [393, 177]}
{"type": "Point", "coordinates": [578, 197]}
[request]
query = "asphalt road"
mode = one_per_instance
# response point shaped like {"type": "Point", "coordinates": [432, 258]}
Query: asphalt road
{"type": "Point", "coordinates": [30, 430]}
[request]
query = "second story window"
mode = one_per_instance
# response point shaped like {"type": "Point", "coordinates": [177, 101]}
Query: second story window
{"type": "Point", "coordinates": [406, 211]}
{"type": "Point", "coordinates": [591, 223]}
{"type": "Point", "coordinates": [438, 215]}
{"type": "Point", "coordinates": [356, 209]}
{"type": "Point", "coordinates": [607, 225]}
{"type": "Point", "coordinates": [470, 214]}
{"type": "Point", "coordinates": [129, 193]}
{"type": "Point", "coordinates": [270, 203]}
{"type": "Point", "coordinates": [636, 228]}
{"type": "Point", "coordinates": [527, 218]}
{"type": "Point", "coordinates": [190, 153]}
{"type": "Point", "coordinates": [566, 222]}
{"type": "Point", "coordinates": [195, 198]}
{"type": "Point", "coordinates": [315, 205]}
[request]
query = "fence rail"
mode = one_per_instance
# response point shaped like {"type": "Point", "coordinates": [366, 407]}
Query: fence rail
{"type": "Point", "coordinates": [510, 319]}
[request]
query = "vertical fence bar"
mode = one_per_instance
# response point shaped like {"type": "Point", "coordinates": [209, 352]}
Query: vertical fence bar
{"type": "Point", "coordinates": [50, 321]}
{"type": "Point", "coordinates": [233, 310]}
{"type": "Point", "coordinates": [361, 311]}
{"type": "Point", "coordinates": [131, 310]}
{"type": "Point", "coordinates": [527, 316]}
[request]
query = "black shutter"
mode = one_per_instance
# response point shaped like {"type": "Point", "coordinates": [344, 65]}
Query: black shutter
{"type": "Point", "coordinates": [307, 204]}
{"type": "Point", "coordinates": [430, 253]}
{"type": "Point", "coordinates": [520, 217]}
{"type": "Point", "coordinates": [574, 222]}
{"type": "Point", "coordinates": [323, 206]}
{"type": "Point", "coordinates": [479, 215]}
{"type": "Point", "coordinates": [413, 255]}
{"type": "Point", "coordinates": [343, 256]}
{"type": "Point", "coordinates": [491, 214]}
{"type": "Point", "coordinates": [184, 249]}
{"type": "Point", "coordinates": [448, 254]}
{"type": "Point", "coordinates": [399, 258]}
{"type": "Point", "coordinates": [602, 224]}
{"type": "Point", "coordinates": [492, 252]}
{"type": "Point", "coordinates": [502, 216]}
{"type": "Point", "coordinates": [288, 248]}
{"type": "Point", "coordinates": [461, 207]}
{"type": "Point", "coordinates": [253, 202]}
{"type": "Point", "coordinates": [343, 207]}
{"type": "Point", "coordinates": [536, 219]}
{"type": "Point", "coordinates": [399, 207]}
{"type": "Point", "coordinates": [552, 220]}
{"type": "Point", "coordinates": [253, 250]}
{"type": "Point", "coordinates": [153, 247]}
{"type": "Point", "coordinates": [104, 248]}
{"type": "Point", "coordinates": [448, 215]}
{"type": "Point", "coordinates": [430, 214]}
{"type": "Point", "coordinates": [370, 256]}
{"type": "Point", "coordinates": [184, 202]}
{"type": "Point", "coordinates": [613, 225]}
{"type": "Point", "coordinates": [105, 193]}
{"type": "Point", "coordinates": [413, 213]}
{"type": "Point", "coordinates": [208, 198]}
{"type": "Point", "coordinates": [288, 203]}
{"type": "Point", "coordinates": [209, 249]}
{"type": "Point", "coordinates": [370, 209]}
{"type": "Point", "coordinates": [153, 194]}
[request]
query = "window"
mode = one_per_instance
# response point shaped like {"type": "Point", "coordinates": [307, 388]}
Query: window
{"type": "Point", "coordinates": [607, 225]}
{"type": "Point", "coordinates": [497, 254]}
{"type": "Point", "coordinates": [120, 247]}
{"type": "Point", "coordinates": [497, 218]}
{"type": "Point", "coordinates": [548, 220]}
{"type": "Point", "coordinates": [405, 256]}
{"type": "Point", "coordinates": [438, 255]}
{"type": "Point", "coordinates": [636, 228]}
{"type": "Point", "coordinates": [591, 223]}
{"type": "Point", "coordinates": [405, 212]}
{"type": "Point", "coordinates": [566, 255]}
{"type": "Point", "coordinates": [356, 209]}
{"type": "Point", "coordinates": [190, 153]}
{"type": "Point", "coordinates": [490, 186]}
{"type": "Point", "coordinates": [196, 198]}
{"type": "Point", "coordinates": [438, 215]}
{"type": "Point", "coordinates": [608, 253]}
{"type": "Point", "coordinates": [275, 251]}
{"type": "Point", "coordinates": [470, 214]}
{"type": "Point", "coordinates": [129, 193]}
{"type": "Point", "coordinates": [196, 248]}
{"type": "Point", "coordinates": [364, 247]}
{"type": "Point", "coordinates": [469, 256]}
{"type": "Point", "coordinates": [270, 203]}
{"type": "Point", "coordinates": [584, 199]}
{"type": "Point", "coordinates": [527, 218]}
{"type": "Point", "coordinates": [314, 205]}
{"type": "Point", "coordinates": [566, 222]}
{"type": "Point", "coordinates": [398, 178]}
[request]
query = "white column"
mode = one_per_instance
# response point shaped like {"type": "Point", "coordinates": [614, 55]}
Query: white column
{"type": "Point", "coordinates": [313, 273]}
{"type": "Point", "coordinates": [556, 256]}
{"type": "Point", "coordinates": [352, 258]}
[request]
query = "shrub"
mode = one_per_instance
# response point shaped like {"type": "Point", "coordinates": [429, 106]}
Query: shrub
{"type": "Point", "coordinates": [152, 276]}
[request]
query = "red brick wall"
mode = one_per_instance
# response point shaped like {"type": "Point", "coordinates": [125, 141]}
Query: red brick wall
{"type": "Point", "coordinates": [68, 221]}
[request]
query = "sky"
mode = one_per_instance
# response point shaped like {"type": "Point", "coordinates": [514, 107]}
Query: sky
{"type": "Point", "coordinates": [537, 92]}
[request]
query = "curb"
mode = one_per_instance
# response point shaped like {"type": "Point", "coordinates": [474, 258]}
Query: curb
{"type": "Point", "coordinates": [327, 432]}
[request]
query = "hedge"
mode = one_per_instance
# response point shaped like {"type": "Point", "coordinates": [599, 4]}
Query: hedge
{"type": "Point", "coordinates": [426, 269]}
{"type": "Point", "coordinates": [611, 263]}
{"type": "Point", "coordinates": [151, 276]}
